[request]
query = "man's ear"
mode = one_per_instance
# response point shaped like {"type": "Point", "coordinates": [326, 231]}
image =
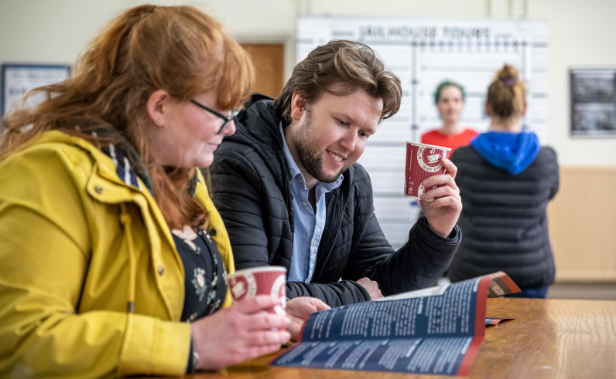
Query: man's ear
{"type": "Point", "coordinates": [298, 106]}
{"type": "Point", "coordinates": [158, 106]}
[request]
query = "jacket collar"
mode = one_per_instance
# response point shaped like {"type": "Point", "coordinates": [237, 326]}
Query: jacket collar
{"type": "Point", "coordinates": [113, 163]}
{"type": "Point", "coordinates": [258, 121]}
{"type": "Point", "coordinates": [105, 166]}
{"type": "Point", "coordinates": [127, 162]}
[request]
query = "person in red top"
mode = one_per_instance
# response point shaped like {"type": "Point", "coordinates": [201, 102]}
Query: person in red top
{"type": "Point", "coordinates": [449, 99]}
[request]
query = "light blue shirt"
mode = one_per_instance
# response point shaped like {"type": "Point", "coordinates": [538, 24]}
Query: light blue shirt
{"type": "Point", "coordinates": [309, 224]}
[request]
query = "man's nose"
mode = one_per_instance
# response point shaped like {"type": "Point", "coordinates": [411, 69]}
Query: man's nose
{"type": "Point", "coordinates": [349, 140]}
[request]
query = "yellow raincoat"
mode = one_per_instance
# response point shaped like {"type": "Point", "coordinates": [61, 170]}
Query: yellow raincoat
{"type": "Point", "coordinates": [77, 247]}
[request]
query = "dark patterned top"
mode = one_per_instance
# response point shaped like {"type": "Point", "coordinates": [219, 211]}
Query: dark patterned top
{"type": "Point", "coordinates": [205, 279]}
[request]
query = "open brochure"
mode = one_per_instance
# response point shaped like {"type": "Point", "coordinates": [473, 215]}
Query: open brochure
{"type": "Point", "coordinates": [434, 331]}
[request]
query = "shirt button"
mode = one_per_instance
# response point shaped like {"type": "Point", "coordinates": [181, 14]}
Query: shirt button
{"type": "Point", "coordinates": [314, 242]}
{"type": "Point", "coordinates": [305, 204]}
{"type": "Point", "coordinates": [213, 232]}
{"type": "Point", "coordinates": [161, 270]}
{"type": "Point", "coordinates": [99, 189]}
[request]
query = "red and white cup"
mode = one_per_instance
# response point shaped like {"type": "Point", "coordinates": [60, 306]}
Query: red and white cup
{"type": "Point", "coordinates": [267, 280]}
{"type": "Point", "coordinates": [422, 162]}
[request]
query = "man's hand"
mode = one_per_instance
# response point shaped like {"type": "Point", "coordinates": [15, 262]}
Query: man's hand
{"type": "Point", "coordinates": [372, 287]}
{"type": "Point", "coordinates": [299, 310]}
{"type": "Point", "coordinates": [442, 205]}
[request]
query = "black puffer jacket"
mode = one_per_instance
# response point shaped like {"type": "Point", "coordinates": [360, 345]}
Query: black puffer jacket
{"type": "Point", "coordinates": [251, 192]}
{"type": "Point", "coordinates": [504, 219]}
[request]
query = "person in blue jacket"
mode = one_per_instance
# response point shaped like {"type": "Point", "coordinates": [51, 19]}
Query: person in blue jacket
{"type": "Point", "coordinates": [506, 179]}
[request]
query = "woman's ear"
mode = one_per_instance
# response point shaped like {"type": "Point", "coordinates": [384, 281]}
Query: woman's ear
{"type": "Point", "coordinates": [525, 109]}
{"type": "Point", "coordinates": [158, 106]}
{"type": "Point", "coordinates": [298, 106]}
{"type": "Point", "coordinates": [487, 110]}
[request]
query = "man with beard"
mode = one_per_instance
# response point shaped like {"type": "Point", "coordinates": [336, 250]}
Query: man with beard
{"type": "Point", "coordinates": [291, 193]}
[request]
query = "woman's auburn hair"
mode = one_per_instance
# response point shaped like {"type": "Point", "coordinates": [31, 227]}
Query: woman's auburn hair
{"type": "Point", "coordinates": [178, 49]}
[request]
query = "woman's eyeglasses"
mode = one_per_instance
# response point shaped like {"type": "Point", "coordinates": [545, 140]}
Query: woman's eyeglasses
{"type": "Point", "coordinates": [225, 119]}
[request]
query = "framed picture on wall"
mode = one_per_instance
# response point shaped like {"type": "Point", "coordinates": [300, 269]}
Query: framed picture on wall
{"type": "Point", "coordinates": [593, 102]}
{"type": "Point", "coordinates": [17, 79]}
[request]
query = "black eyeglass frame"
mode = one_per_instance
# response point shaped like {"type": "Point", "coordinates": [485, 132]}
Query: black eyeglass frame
{"type": "Point", "coordinates": [217, 114]}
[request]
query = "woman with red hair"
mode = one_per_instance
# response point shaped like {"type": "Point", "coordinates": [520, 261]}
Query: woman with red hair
{"type": "Point", "coordinates": [114, 258]}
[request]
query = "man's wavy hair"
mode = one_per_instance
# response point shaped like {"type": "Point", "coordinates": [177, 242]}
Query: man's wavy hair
{"type": "Point", "coordinates": [352, 63]}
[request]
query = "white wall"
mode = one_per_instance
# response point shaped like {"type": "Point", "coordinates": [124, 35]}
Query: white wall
{"type": "Point", "coordinates": [581, 34]}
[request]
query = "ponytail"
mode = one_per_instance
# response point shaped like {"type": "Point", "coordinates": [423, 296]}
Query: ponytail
{"type": "Point", "coordinates": [507, 94]}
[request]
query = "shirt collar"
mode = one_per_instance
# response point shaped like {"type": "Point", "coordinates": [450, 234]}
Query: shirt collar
{"type": "Point", "coordinates": [294, 169]}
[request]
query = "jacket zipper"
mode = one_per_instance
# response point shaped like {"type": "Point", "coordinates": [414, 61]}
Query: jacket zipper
{"type": "Point", "coordinates": [125, 219]}
{"type": "Point", "coordinates": [335, 235]}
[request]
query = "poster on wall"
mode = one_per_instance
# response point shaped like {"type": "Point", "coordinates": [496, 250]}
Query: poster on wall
{"type": "Point", "coordinates": [17, 79]}
{"type": "Point", "coordinates": [422, 53]}
{"type": "Point", "coordinates": [593, 102]}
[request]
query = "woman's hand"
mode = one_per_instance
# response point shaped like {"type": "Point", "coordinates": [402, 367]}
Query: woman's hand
{"type": "Point", "coordinates": [442, 206]}
{"type": "Point", "coordinates": [299, 310]}
{"type": "Point", "coordinates": [238, 333]}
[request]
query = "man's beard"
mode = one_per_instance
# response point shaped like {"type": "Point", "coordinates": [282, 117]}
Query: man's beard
{"type": "Point", "coordinates": [309, 158]}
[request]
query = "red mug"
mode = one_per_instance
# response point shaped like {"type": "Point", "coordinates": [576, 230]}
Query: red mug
{"type": "Point", "coordinates": [422, 162]}
{"type": "Point", "coordinates": [266, 280]}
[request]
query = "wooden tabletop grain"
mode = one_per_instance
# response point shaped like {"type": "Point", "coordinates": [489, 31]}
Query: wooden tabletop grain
{"type": "Point", "coordinates": [547, 339]}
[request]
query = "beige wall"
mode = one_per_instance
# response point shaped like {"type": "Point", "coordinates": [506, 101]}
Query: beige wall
{"type": "Point", "coordinates": [581, 34]}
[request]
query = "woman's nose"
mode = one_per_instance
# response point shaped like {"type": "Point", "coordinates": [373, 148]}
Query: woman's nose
{"type": "Point", "coordinates": [229, 128]}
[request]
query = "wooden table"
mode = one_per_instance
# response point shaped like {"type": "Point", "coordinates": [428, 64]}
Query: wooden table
{"type": "Point", "coordinates": [547, 339]}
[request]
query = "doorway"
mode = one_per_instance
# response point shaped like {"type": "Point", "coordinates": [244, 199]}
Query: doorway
{"type": "Point", "coordinates": [268, 60]}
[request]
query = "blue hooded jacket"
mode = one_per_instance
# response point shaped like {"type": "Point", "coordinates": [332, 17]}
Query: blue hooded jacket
{"type": "Point", "coordinates": [512, 152]}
